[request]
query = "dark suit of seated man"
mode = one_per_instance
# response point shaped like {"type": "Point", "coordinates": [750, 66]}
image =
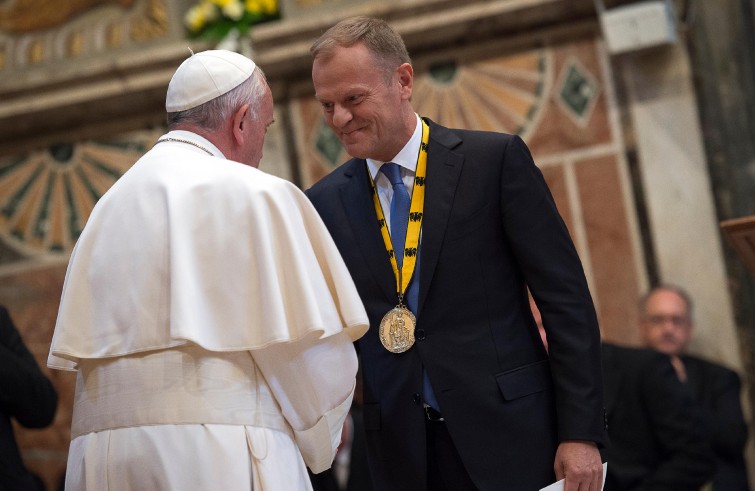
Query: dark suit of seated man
{"type": "Point", "coordinates": [27, 396]}
{"type": "Point", "coordinates": [656, 441]}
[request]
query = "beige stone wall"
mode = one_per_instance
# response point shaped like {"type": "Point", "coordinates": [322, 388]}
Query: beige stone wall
{"type": "Point", "coordinates": [681, 213]}
{"type": "Point", "coordinates": [73, 118]}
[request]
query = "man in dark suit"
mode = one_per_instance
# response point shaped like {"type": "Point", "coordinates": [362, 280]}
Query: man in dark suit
{"type": "Point", "coordinates": [655, 439]}
{"type": "Point", "coordinates": [459, 392]}
{"type": "Point", "coordinates": [666, 325]}
{"type": "Point", "coordinates": [26, 395]}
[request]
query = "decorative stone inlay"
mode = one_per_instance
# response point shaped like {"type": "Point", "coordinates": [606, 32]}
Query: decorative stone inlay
{"type": "Point", "coordinates": [23, 16]}
{"type": "Point", "coordinates": [46, 196]}
{"type": "Point", "coordinates": [500, 94]}
{"type": "Point", "coordinates": [93, 30]}
{"type": "Point", "coordinates": [328, 145]}
{"type": "Point", "coordinates": [444, 73]}
{"type": "Point", "coordinates": [578, 91]}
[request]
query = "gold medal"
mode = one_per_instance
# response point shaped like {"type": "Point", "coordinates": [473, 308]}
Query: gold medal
{"type": "Point", "coordinates": [397, 329]}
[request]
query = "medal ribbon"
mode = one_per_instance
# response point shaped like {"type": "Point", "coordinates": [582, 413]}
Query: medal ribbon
{"type": "Point", "coordinates": [417, 204]}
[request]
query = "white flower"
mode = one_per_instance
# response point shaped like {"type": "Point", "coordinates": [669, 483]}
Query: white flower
{"type": "Point", "coordinates": [233, 10]}
{"type": "Point", "coordinates": [210, 11]}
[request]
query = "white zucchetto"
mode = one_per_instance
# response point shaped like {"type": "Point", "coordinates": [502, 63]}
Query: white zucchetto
{"type": "Point", "coordinates": [204, 76]}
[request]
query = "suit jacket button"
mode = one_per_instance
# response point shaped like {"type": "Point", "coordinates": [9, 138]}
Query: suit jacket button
{"type": "Point", "coordinates": [420, 334]}
{"type": "Point", "coordinates": [416, 398]}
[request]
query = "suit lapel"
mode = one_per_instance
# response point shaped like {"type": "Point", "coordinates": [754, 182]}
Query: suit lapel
{"type": "Point", "coordinates": [356, 198]}
{"type": "Point", "coordinates": [443, 171]}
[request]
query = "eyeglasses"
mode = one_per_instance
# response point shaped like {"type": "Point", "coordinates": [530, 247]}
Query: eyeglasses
{"type": "Point", "coordinates": [658, 320]}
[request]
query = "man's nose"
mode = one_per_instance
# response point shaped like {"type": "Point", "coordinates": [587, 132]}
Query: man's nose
{"type": "Point", "coordinates": [341, 116]}
{"type": "Point", "coordinates": [669, 324]}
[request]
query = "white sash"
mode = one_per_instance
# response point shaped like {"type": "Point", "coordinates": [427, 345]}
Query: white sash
{"type": "Point", "coordinates": [185, 385]}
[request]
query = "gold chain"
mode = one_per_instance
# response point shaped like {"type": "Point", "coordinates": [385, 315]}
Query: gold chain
{"type": "Point", "coordinates": [188, 142]}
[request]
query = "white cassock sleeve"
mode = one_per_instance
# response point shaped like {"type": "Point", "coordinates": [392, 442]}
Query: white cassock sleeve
{"type": "Point", "coordinates": [313, 380]}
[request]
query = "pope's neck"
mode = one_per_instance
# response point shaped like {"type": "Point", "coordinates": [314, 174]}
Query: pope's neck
{"type": "Point", "coordinates": [194, 129]}
{"type": "Point", "coordinates": [199, 139]}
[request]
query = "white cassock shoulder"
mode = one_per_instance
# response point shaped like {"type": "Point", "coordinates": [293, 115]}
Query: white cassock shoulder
{"type": "Point", "coordinates": [196, 249]}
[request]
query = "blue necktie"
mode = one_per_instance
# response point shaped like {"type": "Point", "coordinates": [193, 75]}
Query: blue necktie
{"type": "Point", "coordinates": [399, 209]}
{"type": "Point", "coordinates": [399, 221]}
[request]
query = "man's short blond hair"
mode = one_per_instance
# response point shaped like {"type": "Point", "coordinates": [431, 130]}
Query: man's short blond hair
{"type": "Point", "coordinates": [383, 42]}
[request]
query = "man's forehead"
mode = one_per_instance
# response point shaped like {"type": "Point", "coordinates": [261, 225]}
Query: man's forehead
{"type": "Point", "coordinates": [666, 298]}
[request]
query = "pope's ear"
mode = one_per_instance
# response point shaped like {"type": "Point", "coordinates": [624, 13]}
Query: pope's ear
{"type": "Point", "coordinates": [239, 123]}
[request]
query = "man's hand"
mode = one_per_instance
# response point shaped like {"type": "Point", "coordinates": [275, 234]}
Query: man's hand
{"type": "Point", "coordinates": [579, 463]}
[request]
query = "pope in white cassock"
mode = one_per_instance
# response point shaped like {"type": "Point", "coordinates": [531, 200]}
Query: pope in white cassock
{"type": "Point", "coordinates": [206, 310]}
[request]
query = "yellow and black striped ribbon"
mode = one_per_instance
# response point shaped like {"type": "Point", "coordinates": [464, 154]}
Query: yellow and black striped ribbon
{"type": "Point", "coordinates": [416, 207]}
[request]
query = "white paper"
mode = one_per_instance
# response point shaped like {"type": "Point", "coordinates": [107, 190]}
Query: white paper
{"type": "Point", "coordinates": [559, 485]}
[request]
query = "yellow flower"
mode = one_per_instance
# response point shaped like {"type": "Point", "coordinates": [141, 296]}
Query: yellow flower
{"type": "Point", "coordinates": [270, 6]}
{"type": "Point", "coordinates": [200, 19]}
{"type": "Point", "coordinates": [194, 19]}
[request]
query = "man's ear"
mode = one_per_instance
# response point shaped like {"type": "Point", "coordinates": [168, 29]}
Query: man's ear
{"type": "Point", "coordinates": [406, 80]}
{"type": "Point", "coordinates": [239, 123]}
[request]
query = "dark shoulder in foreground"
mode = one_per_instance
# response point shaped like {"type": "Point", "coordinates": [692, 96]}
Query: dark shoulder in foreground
{"type": "Point", "coordinates": [336, 177]}
{"type": "Point", "coordinates": [451, 137]}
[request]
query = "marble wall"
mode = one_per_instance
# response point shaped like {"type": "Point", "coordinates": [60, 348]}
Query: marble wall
{"type": "Point", "coordinates": [580, 111]}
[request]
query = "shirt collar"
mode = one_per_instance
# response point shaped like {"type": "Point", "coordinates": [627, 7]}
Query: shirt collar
{"type": "Point", "coordinates": [407, 157]}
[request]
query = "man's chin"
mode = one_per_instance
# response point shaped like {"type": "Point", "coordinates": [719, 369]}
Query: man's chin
{"type": "Point", "coordinates": [355, 151]}
{"type": "Point", "coordinates": [669, 350]}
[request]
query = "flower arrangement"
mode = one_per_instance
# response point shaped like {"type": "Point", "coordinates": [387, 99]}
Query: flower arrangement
{"type": "Point", "coordinates": [213, 20]}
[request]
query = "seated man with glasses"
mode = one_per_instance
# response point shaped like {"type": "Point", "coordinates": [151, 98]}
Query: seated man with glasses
{"type": "Point", "coordinates": [666, 325]}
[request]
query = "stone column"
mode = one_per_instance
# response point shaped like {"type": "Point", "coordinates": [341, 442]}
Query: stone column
{"type": "Point", "coordinates": [721, 42]}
